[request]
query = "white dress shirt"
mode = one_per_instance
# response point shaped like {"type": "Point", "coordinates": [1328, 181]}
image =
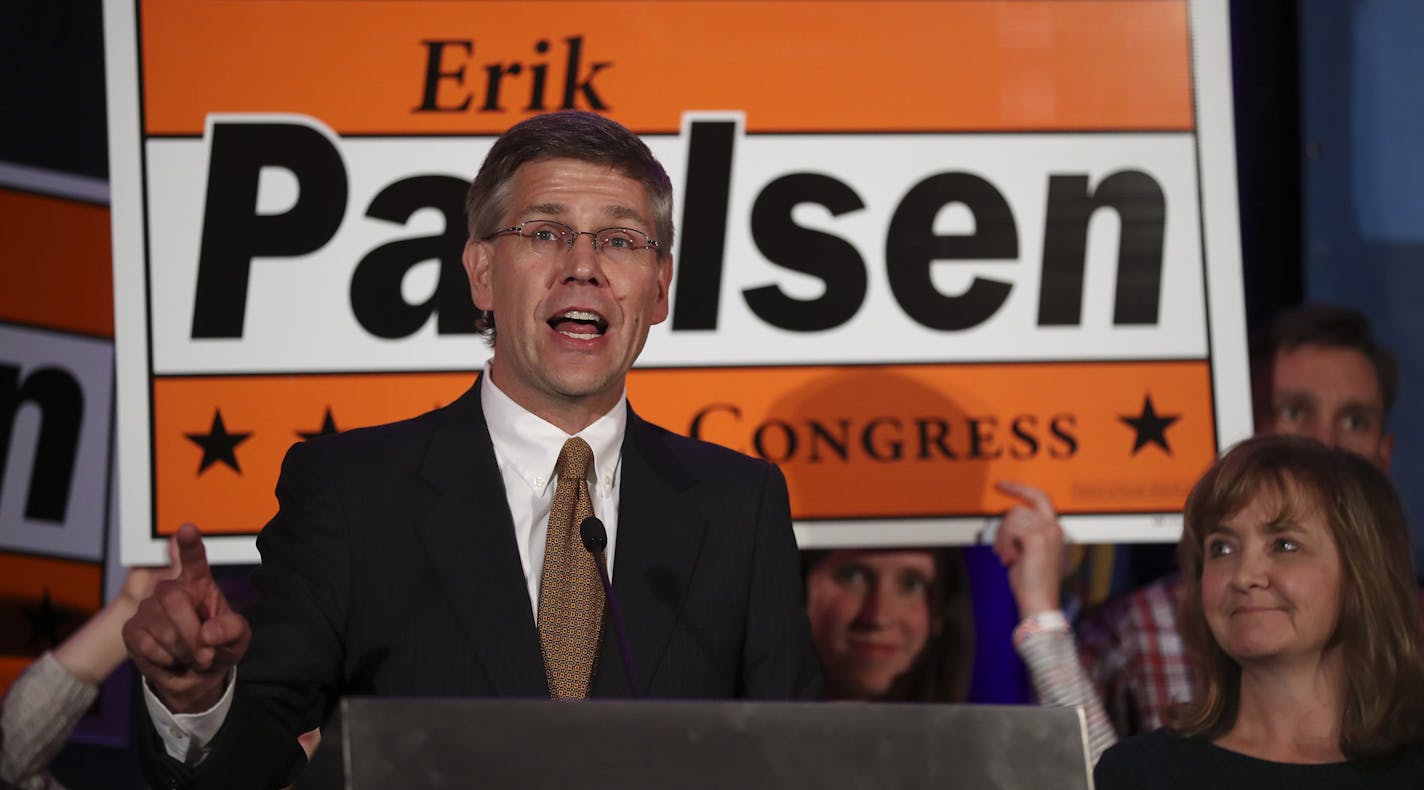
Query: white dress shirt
{"type": "Point", "coordinates": [526, 448]}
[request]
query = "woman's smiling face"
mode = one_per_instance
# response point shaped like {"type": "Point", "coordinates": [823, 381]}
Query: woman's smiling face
{"type": "Point", "coordinates": [870, 617]}
{"type": "Point", "coordinates": [1272, 578]}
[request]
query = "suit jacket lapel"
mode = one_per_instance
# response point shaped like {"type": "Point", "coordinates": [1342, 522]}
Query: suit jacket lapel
{"type": "Point", "coordinates": [659, 538]}
{"type": "Point", "coordinates": [469, 534]}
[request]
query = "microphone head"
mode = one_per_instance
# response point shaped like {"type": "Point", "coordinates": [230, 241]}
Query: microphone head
{"type": "Point", "coordinates": [595, 537]}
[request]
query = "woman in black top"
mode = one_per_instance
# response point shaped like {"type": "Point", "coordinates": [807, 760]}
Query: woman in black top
{"type": "Point", "coordinates": [1300, 615]}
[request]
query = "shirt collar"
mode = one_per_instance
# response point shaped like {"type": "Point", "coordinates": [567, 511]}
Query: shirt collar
{"type": "Point", "coordinates": [530, 445]}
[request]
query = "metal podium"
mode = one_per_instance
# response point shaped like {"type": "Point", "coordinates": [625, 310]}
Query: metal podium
{"type": "Point", "coordinates": [423, 743]}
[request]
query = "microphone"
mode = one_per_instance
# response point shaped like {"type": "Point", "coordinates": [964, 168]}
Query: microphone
{"type": "Point", "coordinates": [595, 539]}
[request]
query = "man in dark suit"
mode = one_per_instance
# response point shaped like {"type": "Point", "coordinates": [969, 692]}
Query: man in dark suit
{"type": "Point", "coordinates": [416, 559]}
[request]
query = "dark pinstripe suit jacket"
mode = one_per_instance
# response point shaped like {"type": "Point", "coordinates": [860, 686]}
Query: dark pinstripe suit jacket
{"type": "Point", "coordinates": [391, 569]}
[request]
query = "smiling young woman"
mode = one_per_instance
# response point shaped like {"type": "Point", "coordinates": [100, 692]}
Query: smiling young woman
{"type": "Point", "coordinates": [891, 624]}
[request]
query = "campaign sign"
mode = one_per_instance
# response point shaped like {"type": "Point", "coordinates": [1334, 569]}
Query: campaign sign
{"type": "Point", "coordinates": [921, 246]}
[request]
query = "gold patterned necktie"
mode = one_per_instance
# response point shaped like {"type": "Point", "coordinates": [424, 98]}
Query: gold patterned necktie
{"type": "Point", "coordinates": [570, 593]}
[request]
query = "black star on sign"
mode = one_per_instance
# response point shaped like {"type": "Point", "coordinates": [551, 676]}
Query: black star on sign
{"type": "Point", "coordinates": [218, 444]}
{"type": "Point", "coordinates": [44, 621]}
{"type": "Point", "coordinates": [328, 425]}
{"type": "Point", "coordinates": [1151, 427]}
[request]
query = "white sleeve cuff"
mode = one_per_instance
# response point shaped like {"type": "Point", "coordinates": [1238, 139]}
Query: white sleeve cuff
{"type": "Point", "coordinates": [186, 735]}
{"type": "Point", "coordinates": [1043, 622]}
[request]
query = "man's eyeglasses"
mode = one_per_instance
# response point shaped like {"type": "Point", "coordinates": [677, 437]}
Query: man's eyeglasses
{"type": "Point", "coordinates": [547, 237]}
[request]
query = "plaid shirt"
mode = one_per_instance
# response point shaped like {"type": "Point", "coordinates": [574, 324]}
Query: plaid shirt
{"type": "Point", "coordinates": [1135, 657]}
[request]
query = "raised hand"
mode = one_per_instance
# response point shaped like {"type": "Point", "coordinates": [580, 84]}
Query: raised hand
{"type": "Point", "coordinates": [141, 580]}
{"type": "Point", "coordinates": [184, 637]}
{"type": "Point", "coordinates": [1030, 544]}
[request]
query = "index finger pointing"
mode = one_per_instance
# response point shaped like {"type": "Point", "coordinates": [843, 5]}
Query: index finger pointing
{"type": "Point", "coordinates": [1035, 497]}
{"type": "Point", "coordinates": [175, 562]}
{"type": "Point", "coordinates": [192, 557]}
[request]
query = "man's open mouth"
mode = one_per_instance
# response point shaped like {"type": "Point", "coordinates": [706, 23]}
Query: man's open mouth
{"type": "Point", "coordinates": [579, 324]}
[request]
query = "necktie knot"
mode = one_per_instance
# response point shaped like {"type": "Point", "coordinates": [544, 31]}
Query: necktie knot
{"type": "Point", "coordinates": [574, 459]}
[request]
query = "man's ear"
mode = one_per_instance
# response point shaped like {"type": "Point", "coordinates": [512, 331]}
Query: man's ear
{"type": "Point", "coordinates": [660, 310]}
{"type": "Point", "coordinates": [1384, 454]}
{"type": "Point", "coordinates": [477, 258]}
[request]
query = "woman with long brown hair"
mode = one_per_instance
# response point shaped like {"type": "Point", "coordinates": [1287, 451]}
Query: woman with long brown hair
{"type": "Point", "coordinates": [1300, 614]}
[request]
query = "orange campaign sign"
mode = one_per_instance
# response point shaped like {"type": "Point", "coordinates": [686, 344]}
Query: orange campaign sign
{"type": "Point", "coordinates": [56, 397]}
{"type": "Point", "coordinates": [922, 246]}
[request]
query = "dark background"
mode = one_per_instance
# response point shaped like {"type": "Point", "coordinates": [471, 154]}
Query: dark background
{"type": "Point", "coordinates": [1329, 159]}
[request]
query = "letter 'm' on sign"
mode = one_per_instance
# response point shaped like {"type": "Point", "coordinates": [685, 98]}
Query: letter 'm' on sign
{"type": "Point", "coordinates": [234, 233]}
{"type": "Point", "coordinates": [61, 404]}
